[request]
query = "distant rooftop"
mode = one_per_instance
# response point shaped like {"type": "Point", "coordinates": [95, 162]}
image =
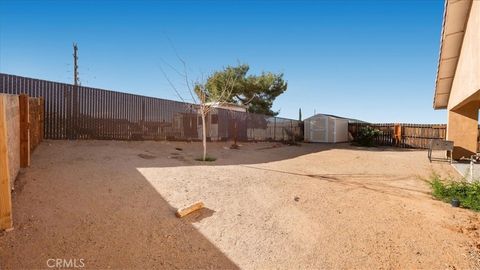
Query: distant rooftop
{"type": "Point", "coordinates": [228, 106]}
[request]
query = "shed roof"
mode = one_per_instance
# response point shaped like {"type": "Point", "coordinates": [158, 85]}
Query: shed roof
{"type": "Point", "coordinates": [351, 120]}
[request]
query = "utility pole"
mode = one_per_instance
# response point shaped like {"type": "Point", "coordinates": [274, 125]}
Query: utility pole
{"type": "Point", "coordinates": [75, 64]}
{"type": "Point", "coordinates": [74, 95]}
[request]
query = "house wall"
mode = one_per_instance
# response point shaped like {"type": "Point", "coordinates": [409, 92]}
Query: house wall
{"type": "Point", "coordinates": [462, 129]}
{"type": "Point", "coordinates": [463, 104]}
{"type": "Point", "coordinates": [466, 83]}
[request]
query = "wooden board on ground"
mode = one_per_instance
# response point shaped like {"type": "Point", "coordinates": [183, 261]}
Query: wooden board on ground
{"type": "Point", "coordinates": [187, 210]}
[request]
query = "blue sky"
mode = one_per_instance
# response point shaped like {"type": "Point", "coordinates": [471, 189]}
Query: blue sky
{"type": "Point", "coordinates": [372, 60]}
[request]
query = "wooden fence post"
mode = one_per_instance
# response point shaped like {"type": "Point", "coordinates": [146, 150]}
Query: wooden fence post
{"type": "Point", "coordinates": [6, 222]}
{"type": "Point", "coordinates": [41, 122]}
{"type": "Point", "coordinates": [397, 134]}
{"type": "Point", "coordinates": [24, 131]}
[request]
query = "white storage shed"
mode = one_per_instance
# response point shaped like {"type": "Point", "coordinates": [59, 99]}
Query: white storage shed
{"type": "Point", "coordinates": [326, 128]}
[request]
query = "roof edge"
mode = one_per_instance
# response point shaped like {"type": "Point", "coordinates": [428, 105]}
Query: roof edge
{"type": "Point", "coordinates": [443, 44]}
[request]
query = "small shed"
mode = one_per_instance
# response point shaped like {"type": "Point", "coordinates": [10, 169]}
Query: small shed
{"type": "Point", "coordinates": [326, 128]}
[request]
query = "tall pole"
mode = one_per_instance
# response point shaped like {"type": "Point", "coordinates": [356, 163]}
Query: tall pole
{"type": "Point", "coordinates": [74, 95]}
{"type": "Point", "coordinates": [75, 64]}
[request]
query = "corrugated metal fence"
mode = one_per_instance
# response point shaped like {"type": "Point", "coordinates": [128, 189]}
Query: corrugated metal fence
{"type": "Point", "coordinates": [78, 112]}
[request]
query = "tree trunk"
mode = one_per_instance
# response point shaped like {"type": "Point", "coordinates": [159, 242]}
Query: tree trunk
{"type": "Point", "coordinates": [204, 135]}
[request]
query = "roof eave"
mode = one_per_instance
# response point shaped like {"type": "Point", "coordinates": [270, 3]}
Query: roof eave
{"type": "Point", "coordinates": [455, 18]}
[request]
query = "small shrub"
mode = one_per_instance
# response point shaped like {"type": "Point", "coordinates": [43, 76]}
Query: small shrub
{"type": "Point", "coordinates": [366, 136]}
{"type": "Point", "coordinates": [447, 189]}
{"type": "Point", "coordinates": [208, 159]}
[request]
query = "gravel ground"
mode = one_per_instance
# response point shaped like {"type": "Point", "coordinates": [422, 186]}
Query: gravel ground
{"type": "Point", "coordinates": [104, 204]}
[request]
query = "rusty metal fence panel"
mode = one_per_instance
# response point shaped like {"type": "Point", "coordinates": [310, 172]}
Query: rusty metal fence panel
{"type": "Point", "coordinates": [78, 112]}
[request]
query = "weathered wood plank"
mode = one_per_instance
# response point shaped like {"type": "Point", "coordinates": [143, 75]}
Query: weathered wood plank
{"type": "Point", "coordinates": [24, 130]}
{"type": "Point", "coordinates": [6, 222]}
{"type": "Point", "coordinates": [187, 210]}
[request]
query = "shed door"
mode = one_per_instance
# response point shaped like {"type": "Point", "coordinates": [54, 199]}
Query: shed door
{"type": "Point", "coordinates": [318, 129]}
{"type": "Point", "coordinates": [341, 130]}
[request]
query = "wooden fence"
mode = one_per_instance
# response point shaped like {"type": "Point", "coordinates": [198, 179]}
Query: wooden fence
{"type": "Point", "coordinates": [31, 117]}
{"type": "Point", "coordinates": [21, 129]}
{"type": "Point", "coordinates": [409, 135]}
{"type": "Point", "coordinates": [5, 167]}
{"type": "Point", "coordinates": [78, 112]}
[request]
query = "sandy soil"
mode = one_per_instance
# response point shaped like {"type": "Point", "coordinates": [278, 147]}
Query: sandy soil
{"type": "Point", "coordinates": [112, 205]}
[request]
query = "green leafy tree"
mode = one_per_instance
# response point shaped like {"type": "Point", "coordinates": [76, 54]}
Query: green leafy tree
{"type": "Point", "coordinates": [257, 92]}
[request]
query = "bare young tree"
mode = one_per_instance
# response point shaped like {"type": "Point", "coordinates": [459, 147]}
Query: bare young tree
{"type": "Point", "coordinates": [204, 98]}
{"type": "Point", "coordinates": [208, 99]}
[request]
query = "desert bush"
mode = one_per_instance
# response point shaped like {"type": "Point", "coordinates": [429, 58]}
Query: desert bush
{"type": "Point", "coordinates": [366, 136]}
{"type": "Point", "coordinates": [468, 193]}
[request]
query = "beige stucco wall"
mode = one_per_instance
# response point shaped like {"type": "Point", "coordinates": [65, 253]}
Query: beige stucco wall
{"type": "Point", "coordinates": [466, 83]}
{"type": "Point", "coordinates": [13, 134]}
{"type": "Point", "coordinates": [462, 129]}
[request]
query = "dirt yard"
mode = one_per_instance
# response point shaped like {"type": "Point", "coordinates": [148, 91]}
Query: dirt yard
{"type": "Point", "coordinates": [111, 205]}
